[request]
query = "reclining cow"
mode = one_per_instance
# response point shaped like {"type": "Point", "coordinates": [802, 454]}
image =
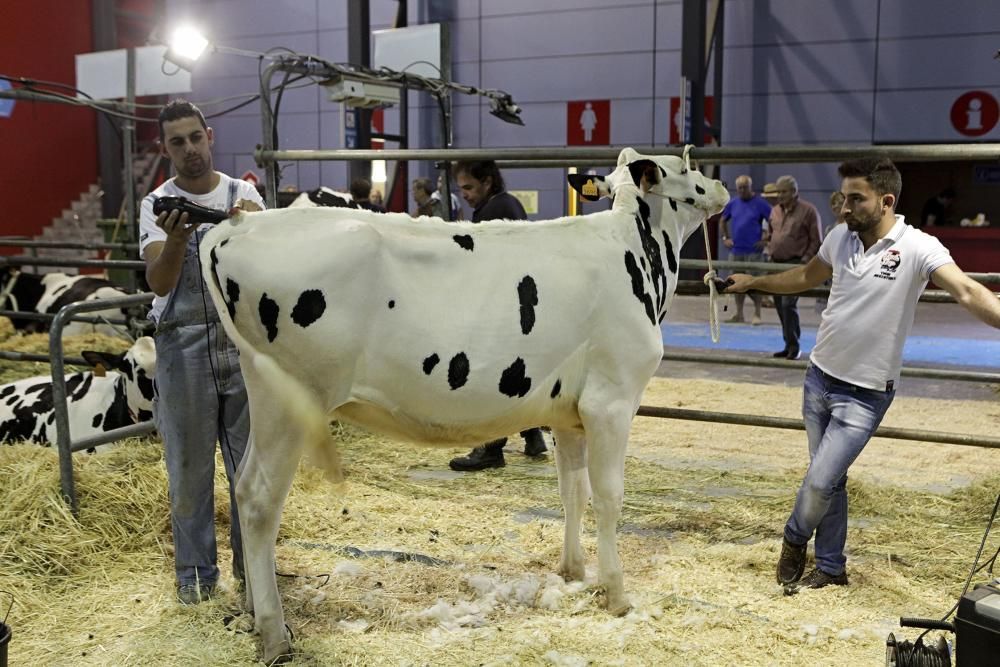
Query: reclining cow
{"type": "Point", "coordinates": [27, 292]}
{"type": "Point", "coordinates": [95, 403]}
{"type": "Point", "coordinates": [450, 334]}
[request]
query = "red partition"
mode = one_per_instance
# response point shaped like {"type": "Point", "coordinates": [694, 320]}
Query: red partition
{"type": "Point", "coordinates": [974, 249]}
{"type": "Point", "coordinates": [50, 150]}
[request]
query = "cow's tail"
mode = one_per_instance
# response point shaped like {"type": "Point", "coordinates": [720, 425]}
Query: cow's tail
{"type": "Point", "coordinates": [297, 405]}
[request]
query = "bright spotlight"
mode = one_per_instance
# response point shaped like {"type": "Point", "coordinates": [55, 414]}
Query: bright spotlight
{"type": "Point", "coordinates": [378, 171]}
{"type": "Point", "coordinates": [187, 44]}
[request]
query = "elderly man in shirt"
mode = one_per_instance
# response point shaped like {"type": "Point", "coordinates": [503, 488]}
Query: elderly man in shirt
{"type": "Point", "coordinates": [794, 238]}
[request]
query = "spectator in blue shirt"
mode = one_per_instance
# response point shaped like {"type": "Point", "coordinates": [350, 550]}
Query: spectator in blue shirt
{"type": "Point", "coordinates": [743, 222]}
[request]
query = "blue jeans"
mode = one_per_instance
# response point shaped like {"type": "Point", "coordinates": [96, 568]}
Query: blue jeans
{"type": "Point", "coordinates": [840, 419]}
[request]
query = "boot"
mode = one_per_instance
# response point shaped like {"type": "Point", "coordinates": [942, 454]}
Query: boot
{"type": "Point", "coordinates": [534, 442]}
{"type": "Point", "coordinates": [488, 455]}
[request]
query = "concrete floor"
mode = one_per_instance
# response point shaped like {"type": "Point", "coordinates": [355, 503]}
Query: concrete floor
{"type": "Point", "coordinates": [944, 336]}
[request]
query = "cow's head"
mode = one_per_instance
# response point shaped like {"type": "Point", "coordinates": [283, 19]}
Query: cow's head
{"type": "Point", "coordinates": [137, 366]}
{"type": "Point", "coordinates": [666, 182]}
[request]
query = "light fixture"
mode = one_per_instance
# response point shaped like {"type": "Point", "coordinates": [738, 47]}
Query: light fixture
{"type": "Point", "coordinates": [378, 171]}
{"type": "Point", "coordinates": [186, 46]}
{"type": "Point", "coordinates": [363, 93]}
{"type": "Point", "coordinates": [503, 107]}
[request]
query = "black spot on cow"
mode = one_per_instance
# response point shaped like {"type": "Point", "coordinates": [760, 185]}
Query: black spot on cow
{"type": "Point", "coordinates": [527, 295]}
{"type": "Point", "coordinates": [458, 371]}
{"type": "Point", "coordinates": [215, 261]}
{"type": "Point", "coordinates": [13, 399]}
{"type": "Point", "coordinates": [7, 391]}
{"type": "Point", "coordinates": [513, 381]}
{"type": "Point", "coordinates": [80, 387]}
{"type": "Point", "coordinates": [556, 388]}
{"type": "Point", "coordinates": [392, 304]}
{"type": "Point", "coordinates": [78, 291]}
{"type": "Point", "coordinates": [145, 415]}
{"type": "Point", "coordinates": [145, 384]}
{"type": "Point", "coordinates": [673, 203]}
{"type": "Point", "coordinates": [669, 251]}
{"type": "Point", "coordinates": [430, 362]}
{"type": "Point", "coordinates": [689, 201]}
{"type": "Point", "coordinates": [62, 288]}
{"type": "Point", "coordinates": [464, 241]}
{"type": "Point", "coordinates": [653, 266]}
{"type": "Point", "coordinates": [638, 285]}
{"type": "Point", "coordinates": [224, 242]}
{"type": "Point", "coordinates": [700, 190]}
{"type": "Point", "coordinates": [232, 295]}
{"type": "Point", "coordinates": [268, 311]}
{"type": "Point", "coordinates": [36, 387]}
{"type": "Point", "coordinates": [97, 420]}
{"type": "Point", "coordinates": [51, 419]}
{"type": "Point", "coordinates": [117, 414]}
{"type": "Point", "coordinates": [309, 308]}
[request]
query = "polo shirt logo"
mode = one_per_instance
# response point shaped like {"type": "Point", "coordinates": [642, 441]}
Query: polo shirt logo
{"type": "Point", "coordinates": [889, 263]}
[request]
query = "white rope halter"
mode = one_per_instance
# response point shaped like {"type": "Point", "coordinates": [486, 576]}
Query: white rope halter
{"type": "Point", "coordinates": [711, 275]}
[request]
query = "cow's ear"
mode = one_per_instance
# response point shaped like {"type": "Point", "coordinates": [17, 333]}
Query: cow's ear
{"type": "Point", "coordinates": [106, 360]}
{"type": "Point", "coordinates": [646, 168]}
{"type": "Point", "coordinates": [590, 186]}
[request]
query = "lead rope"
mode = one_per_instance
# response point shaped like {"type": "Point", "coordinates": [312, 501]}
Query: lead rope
{"type": "Point", "coordinates": [710, 277]}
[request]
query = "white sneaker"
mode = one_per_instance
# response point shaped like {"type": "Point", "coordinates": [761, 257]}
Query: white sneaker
{"type": "Point", "coordinates": [756, 321]}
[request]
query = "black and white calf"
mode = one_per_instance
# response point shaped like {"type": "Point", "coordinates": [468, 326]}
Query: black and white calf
{"type": "Point", "coordinates": [96, 404]}
{"type": "Point", "coordinates": [48, 293]}
{"type": "Point", "coordinates": [452, 333]}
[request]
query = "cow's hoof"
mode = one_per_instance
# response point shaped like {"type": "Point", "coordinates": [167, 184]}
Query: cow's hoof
{"type": "Point", "coordinates": [619, 607]}
{"type": "Point", "coordinates": [571, 573]}
{"type": "Point", "coordinates": [278, 655]}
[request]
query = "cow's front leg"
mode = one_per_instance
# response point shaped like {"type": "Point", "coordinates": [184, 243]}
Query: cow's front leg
{"type": "Point", "coordinates": [571, 466]}
{"type": "Point", "coordinates": [607, 428]}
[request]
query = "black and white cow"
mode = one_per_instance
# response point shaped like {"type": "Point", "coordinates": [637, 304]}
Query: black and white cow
{"type": "Point", "coordinates": [96, 404]}
{"type": "Point", "coordinates": [450, 334]}
{"type": "Point", "coordinates": [48, 293]}
{"type": "Point", "coordinates": [323, 196]}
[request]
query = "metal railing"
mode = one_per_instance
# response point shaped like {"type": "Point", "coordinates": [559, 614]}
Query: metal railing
{"type": "Point", "coordinates": [64, 441]}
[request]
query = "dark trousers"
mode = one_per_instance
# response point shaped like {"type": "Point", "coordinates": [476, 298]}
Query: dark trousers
{"type": "Point", "coordinates": [788, 313]}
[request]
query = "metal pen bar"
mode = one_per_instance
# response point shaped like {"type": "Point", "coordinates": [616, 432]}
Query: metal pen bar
{"type": "Point", "coordinates": [29, 356]}
{"type": "Point", "coordinates": [698, 288]}
{"type": "Point", "coordinates": [24, 260]}
{"type": "Point", "coordinates": [63, 442]}
{"type": "Point", "coordinates": [130, 431]}
{"type": "Point", "coordinates": [775, 267]}
{"type": "Point", "coordinates": [609, 156]}
{"type": "Point", "coordinates": [798, 425]}
{"type": "Point", "coordinates": [768, 362]}
{"type": "Point", "coordinates": [48, 317]}
{"type": "Point", "coordinates": [28, 243]}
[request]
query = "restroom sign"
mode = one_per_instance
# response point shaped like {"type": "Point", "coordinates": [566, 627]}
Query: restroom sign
{"type": "Point", "coordinates": [975, 113]}
{"type": "Point", "coordinates": [588, 123]}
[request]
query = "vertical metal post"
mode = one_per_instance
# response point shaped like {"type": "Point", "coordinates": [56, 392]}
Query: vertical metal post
{"type": "Point", "coordinates": [717, 84]}
{"type": "Point", "coordinates": [59, 408]}
{"type": "Point", "coordinates": [693, 21]}
{"type": "Point", "coordinates": [267, 136]}
{"type": "Point", "coordinates": [128, 156]}
{"type": "Point", "coordinates": [105, 37]}
{"type": "Point", "coordinates": [359, 53]}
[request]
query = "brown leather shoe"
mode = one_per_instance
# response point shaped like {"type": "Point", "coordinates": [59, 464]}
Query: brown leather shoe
{"type": "Point", "coordinates": [792, 562]}
{"type": "Point", "coordinates": [489, 455]}
{"type": "Point", "coordinates": [816, 579]}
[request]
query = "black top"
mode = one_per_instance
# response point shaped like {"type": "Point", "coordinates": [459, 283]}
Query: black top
{"type": "Point", "coordinates": [936, 208]}
{"type": "Point", "coordinates": [501, 206]}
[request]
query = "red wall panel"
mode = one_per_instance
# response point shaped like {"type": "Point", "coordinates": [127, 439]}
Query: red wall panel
{"type": "Point", "coordinates": [49, 150]}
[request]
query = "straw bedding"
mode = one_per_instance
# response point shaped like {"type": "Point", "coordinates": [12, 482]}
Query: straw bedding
{"type": "Point", "coordinates": [699, 537]}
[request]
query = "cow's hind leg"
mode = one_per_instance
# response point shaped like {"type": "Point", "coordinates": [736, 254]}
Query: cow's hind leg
{"type": "Point", "coordinates": [574, 488]}
{"type": "Point", "coordinates": [606, 426]}
{"type": "Point", "coordinates": [264, 481]}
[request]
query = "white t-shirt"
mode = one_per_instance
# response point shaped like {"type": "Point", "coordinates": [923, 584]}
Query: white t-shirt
{"type": "Point", "coordinates": [872, 302]}
{"type": "Point", "coordinates": [218, 199]}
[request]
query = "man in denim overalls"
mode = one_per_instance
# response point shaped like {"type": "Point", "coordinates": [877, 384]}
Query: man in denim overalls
{"type": "Point", "coordinates": [200, 395]}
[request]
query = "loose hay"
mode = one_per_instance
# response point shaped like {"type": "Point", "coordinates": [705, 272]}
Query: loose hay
{"type": "Point", "coordinates": [699, 537]}
{"type": "Point", "coordinates": [39, 344]}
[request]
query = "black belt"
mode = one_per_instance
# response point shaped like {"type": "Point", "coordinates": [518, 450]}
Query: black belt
{"type": "Point", "coordinates": [855, 387]}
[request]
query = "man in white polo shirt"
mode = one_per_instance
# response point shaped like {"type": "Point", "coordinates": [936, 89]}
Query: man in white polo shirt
{"type": "Point", "coordinates": [879, 265]}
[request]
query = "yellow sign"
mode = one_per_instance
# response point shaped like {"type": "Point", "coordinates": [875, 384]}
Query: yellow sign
{"type": "Point", "coordinates": [528, 199]}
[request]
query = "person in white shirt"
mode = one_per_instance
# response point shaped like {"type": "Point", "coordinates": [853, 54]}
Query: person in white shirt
{"type": "Point", "coordinates": [200, 398]}
{"type": "Point", "coordinates": [879, 266]}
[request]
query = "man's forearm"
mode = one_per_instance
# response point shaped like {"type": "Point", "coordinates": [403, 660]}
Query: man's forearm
{"type": "Point", "coordinates": [163, 271]}
{"type": "Point", "coordinates": [786, 282]}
